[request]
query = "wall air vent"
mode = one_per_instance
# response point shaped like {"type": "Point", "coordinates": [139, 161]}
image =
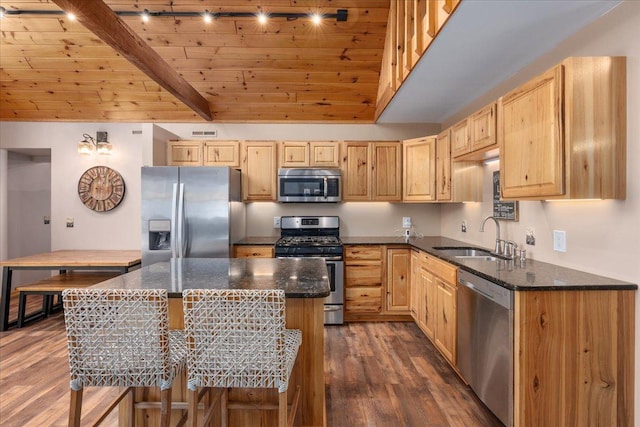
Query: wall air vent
{"type": "Point", "coordinates": [205, 133]}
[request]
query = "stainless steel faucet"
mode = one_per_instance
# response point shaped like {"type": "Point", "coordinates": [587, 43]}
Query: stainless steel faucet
{"type": "Point", "coordinates": [498, 248]}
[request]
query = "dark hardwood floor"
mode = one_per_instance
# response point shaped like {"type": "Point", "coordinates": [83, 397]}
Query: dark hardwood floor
{"type": "Point", "coordinates": [377, 374]}
{"type": "Point", "coordinates": [389, 374]}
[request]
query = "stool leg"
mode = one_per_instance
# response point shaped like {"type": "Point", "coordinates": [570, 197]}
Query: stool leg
{"type": "Point", "coordinates": [224, 410]}
{"type": "Point", "coordinates": [282, 409]}
{"type": "Point", "coordinates": [75, 408]}
{"type": "Point", "coordinates": [165, 408]}
{"type": "Point", "coordinates": [192, 399]}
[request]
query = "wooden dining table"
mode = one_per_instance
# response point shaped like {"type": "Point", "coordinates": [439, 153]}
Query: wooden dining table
{"type": "Point", "coordinates": [121, 261]}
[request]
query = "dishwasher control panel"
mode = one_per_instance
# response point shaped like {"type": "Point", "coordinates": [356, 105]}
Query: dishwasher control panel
{"type": "Point", "coordinates": [493, 291]}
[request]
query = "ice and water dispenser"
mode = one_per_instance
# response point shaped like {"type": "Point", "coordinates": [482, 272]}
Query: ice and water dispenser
{"type": "Point", "coordinates": [159, 234]}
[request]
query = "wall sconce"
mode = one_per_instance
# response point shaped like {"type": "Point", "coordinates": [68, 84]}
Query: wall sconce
{"type": "Point", "coordinates": [100, 145]}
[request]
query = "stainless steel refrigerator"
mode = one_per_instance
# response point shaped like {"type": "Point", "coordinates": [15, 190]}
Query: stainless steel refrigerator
{"type": "Point", "coordinates": [190, 212]}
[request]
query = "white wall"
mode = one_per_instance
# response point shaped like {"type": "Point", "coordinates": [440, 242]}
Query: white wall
{"type": "Point", "coordinates": [116, 229]}
{"type": "Point", "coordinates": [356, 218]}
{"type": "Point", "coordinates": [603, 237]}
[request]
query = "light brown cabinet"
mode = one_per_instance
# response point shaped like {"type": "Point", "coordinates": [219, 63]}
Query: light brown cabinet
{"type": "Point", "coordinates": [419, 169]}
{"type": "Point", "coordinates": [460, 142]}
{"type": "Point", "coordinates": [371, 171]}
{"type": "Point", "coordinates": [257, 251]}
{"type": "Point", "coordinates": [443, 166]}
{"type": "Point", "coordinates": [563, 133]}
{"type": "Point", "coordinates": [184, 153]}
{"type": "Point", "coordinates": [203, 153]}
{"type": "Point", "coordinates": [259, 170]}
{"type": "Point", "coordinates": [309, 154]}
{"type": "Point", "coordinates": [363, 279]}
{"type": "Point", "coordinates": [398, 279]}
{"type": "Point", "coordinates": [435, 288]}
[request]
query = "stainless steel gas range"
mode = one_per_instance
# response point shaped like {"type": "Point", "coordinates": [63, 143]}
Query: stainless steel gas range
{"type": "Point", "coordinates": [317, 236]}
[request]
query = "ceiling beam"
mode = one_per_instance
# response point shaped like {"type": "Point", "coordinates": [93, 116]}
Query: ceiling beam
{"type": "Point", "coordinates": [100, 19]}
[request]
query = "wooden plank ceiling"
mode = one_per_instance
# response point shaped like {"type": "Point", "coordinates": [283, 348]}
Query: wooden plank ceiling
{"type": "Point", "coordinates": [54, 69]}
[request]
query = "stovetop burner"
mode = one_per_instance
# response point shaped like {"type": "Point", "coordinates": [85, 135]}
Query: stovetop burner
{"type": "Point", "coordinates": [308, 241]}
{"type": "Point", "coordinates": [309, 236]}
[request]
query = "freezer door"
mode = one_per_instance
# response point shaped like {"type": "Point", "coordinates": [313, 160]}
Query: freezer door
{"type": "Point", "coordinates": [205, 219]}
{"type": "Point", "coordinates": [159, 184]}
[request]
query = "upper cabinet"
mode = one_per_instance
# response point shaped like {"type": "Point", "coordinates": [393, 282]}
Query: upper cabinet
{"type": "Point", "coordinates": [419, 169]}
{"type": "Point", "coordinates": [371, 171]}
{"type": "Point", "coordinates": [203, 153]}
{"type": "Point", "coordinates": [563, 134]}
{"type": "Point", "coordinates": [460, 142]}
{"type": "Point", "coordinates": [309, 154]}
{"type": "Point", "coordinates": [184, 153]}
{"type": "Point", "coordinates": [483, 128]}
{"type": "Point", "coordinates": [259, 170]}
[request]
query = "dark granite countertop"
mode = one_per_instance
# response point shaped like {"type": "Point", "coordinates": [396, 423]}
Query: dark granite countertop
{"type": "Point", "coordinates": [300, 278]}
{"type": "Point", "coordinates": [527, 276]}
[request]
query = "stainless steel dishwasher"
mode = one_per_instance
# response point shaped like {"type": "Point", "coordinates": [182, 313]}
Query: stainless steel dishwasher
{"type": "Point", "coordinates": [485, 342]}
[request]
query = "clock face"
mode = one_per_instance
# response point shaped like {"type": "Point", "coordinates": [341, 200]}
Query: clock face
{"type": "Point", "coordinates": [101, 188]}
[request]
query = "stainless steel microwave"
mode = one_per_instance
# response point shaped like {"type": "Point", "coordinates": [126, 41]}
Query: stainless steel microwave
{"type": "Point", "coordinates": [308, 185]}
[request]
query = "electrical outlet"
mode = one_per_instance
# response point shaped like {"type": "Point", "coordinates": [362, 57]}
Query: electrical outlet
{"type": "Point", "coordinates": [406, 222]}
{"type": "Point", "coordinates": [69, 222]}
{"type": "Point", "coordinates": [530, 237]}
{"type": "Point", "coordinates": [559, 241]}
{"type": "Point", "coordinates": [463, 227]}
{"type": "Point", "coordinates": [276, 222]}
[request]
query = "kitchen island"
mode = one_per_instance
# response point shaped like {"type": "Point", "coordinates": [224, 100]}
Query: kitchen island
{"type": "Point", "coordinates": [305, 282]}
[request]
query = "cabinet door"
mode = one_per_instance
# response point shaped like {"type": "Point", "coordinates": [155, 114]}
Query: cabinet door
{"type": "Point", "coordinates": [443, 166]}
{"type": "Point", "coordinates": [428, 308]}
{"type": "Point", "coordinates": [222, 153]}
{"type": "Point", "coordinates": [530, 134]}
{"type": "Point", "coordinates": [419, 170]}
{"type": "Point", "coordinates": [259, 170]}
{"type": "Point", "coordinates": [184, 153]}
{"type": "Point", "coordinates": [460, 143]}
{"type": "Point", "coordinates": [294, 154]}
{"type": "Point", "coordinates": [253, 251]}
{"type": "Point", "coordinates": [482, 128]}
{"type": "Point", "coordinates": [324, 154]}
{"type": "Point", "coordinates": [414, 284]}
{"type": "Point", "coordinates": [356, 171]}
{"type": "Point", "coordinates": [387, 171]}
{"type": "Point", "coordinates": [398, 279]}
{"type": "Point", "coordinates": [446, 323]}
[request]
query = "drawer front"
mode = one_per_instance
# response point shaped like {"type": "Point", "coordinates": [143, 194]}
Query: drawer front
{"type": "Point", "coordinates": [254, 251]}
{"type": "Point", "coordinates": [442, 269]}
{"type": "Point", "coordinates": [373, 252]}
{"type": "Point", "coordinates": [364, 273]}
{"type": "Point", "coordinates": [363, 299]}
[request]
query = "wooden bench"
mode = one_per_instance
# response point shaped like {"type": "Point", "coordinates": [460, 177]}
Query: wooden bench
{"type": "Point", "coordinates": [53, 286]}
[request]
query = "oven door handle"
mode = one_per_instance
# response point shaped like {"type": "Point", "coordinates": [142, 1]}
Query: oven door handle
{"type": "Point", "coordinates": [330, 258]}
{"type": "Point", "coordinates": [331, 308]}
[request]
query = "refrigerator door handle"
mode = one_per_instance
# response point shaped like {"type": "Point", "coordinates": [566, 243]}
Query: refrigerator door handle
{"type": "Point", "coordinates": [174, 237]}
{"type": "Point", "coordinates": [181, 237]}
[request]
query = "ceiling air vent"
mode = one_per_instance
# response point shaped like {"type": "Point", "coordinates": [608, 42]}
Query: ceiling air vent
{"type": "Point", "coordinates": [205, 133]}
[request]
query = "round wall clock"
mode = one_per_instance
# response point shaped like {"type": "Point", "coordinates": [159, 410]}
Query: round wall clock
{"type": "Point", "coordinates": [101, 188]}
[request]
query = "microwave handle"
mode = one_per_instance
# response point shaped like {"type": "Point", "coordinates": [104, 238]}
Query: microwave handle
{"type": "Point", "coordinates": [326, 187]}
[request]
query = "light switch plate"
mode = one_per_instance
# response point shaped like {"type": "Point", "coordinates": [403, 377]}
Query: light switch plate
{"type": "Point", "coordinates": [559, 241]}
{"type": "Point", "coordinates": [276, 222]}
{"type": "Point", "coordinates": [406, 222]}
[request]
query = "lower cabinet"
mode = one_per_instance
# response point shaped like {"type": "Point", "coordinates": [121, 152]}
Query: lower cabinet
{"type": "Point", "coordinates": [434, 294]}
{"type": "Point", "coordinates": [257, 251]}
{"type": "Point", "coordinates": [376, 281]}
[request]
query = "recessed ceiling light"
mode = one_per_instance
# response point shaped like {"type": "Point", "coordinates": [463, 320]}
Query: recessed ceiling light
{"type": "Point", "coordinates": [71, 16]}
{"type": "Point", "coordinates": [262, 18]}
{"type": "Point", "coordinates": [207, 17]}
{"type": "Point", "coordinates": [316, 18]}
{"type": "Point", "coordinates": [145, 16]}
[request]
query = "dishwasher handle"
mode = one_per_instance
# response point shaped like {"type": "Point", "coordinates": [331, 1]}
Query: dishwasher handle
{"type": "Point", "coordinates": [475, 289]}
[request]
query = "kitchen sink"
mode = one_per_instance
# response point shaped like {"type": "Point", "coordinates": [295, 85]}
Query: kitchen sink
{"type": "Point", "coordinates": [468, 253]}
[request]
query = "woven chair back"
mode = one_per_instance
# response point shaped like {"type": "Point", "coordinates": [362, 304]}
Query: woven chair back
{"type": "Point", "coordinates": [117, 337]}
{"type": "Point", "coordinates": [235, 338]}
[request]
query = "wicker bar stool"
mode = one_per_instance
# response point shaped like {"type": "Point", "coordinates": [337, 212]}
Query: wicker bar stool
{"type": "Point", "coordinates": [237, 339]}
{"type": "Point", "coordinates": [121, 338]}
